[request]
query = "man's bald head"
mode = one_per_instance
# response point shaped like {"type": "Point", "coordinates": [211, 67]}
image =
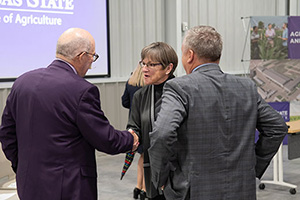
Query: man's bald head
{"type": "Point", "coordinates": [72, 42]}
{"type": "Point", "coordinates": [76, 46]}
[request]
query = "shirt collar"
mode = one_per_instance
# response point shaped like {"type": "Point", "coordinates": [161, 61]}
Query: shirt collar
{"type": "Point", "coordinates": [68, 64]}
{"type": "Point", "coordinates": [203, 66]}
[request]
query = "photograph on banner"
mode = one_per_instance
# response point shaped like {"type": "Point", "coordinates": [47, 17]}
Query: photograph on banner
{"type": "Point", "coordinates": [278, 81]}
{"type": "Point", "coordinates": [269, 37]}
{"type": "Point", "coordinates": [274, 65]}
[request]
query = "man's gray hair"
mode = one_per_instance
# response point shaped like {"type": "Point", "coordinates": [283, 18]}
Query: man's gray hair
{"type": "Point", "coordinates": [71, 48]}
{"type": "Point", "coordinates": [205, 41]}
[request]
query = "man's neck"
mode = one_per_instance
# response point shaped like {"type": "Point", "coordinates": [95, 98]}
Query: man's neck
{"type": "Point", "coordinates": [200, 62]}
{"type": "Point", "coordinates": [68, 61]}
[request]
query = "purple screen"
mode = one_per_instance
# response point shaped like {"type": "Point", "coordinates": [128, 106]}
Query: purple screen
{"type": "Point", "coordinates": [29, 30]}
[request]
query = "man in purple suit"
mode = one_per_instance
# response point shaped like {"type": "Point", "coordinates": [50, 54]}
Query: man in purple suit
{"type": "Point", "coordinates": [53, 122]}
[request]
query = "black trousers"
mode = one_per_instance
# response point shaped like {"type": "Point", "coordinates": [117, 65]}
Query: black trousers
{"type": "Point", "coordinates": [159, 197]}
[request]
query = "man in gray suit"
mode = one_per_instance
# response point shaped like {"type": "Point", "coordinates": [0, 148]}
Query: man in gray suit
{"type": "Point", "coordinates": [203, 142]}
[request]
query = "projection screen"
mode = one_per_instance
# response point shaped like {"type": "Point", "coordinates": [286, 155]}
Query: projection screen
{"type": "Point", "coordinates": [30, 29]}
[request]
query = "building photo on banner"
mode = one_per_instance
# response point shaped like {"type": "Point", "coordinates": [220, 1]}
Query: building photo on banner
{"type": "Point", "coordinates": [274, 64]}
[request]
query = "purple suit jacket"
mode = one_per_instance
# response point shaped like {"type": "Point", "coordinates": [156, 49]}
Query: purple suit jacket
{"type": "Point", "coordinates": [51, 126]}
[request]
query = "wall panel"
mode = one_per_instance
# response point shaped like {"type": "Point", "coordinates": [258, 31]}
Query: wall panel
{"type": "Point", "coordinates": [225, 16]}
{"type": "Point", "coordinates": [3, 96]}
{"type": "Point", "coordinates": [125, 34]}
{"type": "Point", "coordinates": [5, 166]}
{"type": "Point", "coordinates": [294, 7]}
{"type": "Point", "coordinates": [110, 96]}
{"type": "Point", "coordinates": [134, 24]}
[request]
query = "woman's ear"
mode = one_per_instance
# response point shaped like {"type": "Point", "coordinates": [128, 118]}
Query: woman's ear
{"type": "Point", "coordinates": [169, 68]}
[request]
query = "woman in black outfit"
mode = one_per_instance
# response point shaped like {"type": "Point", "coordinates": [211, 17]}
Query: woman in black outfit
{"type": "Point", "coordinates": [158, 62]}
{"type": "Point", "coordinates": [134, 83]}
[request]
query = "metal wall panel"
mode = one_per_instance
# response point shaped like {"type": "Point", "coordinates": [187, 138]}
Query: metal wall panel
{"type": "Point", "coordinates": [110, 96]}
{"type": "Point", "coordinates": [226, 16]}
{"type": "Point", "coordinates": [3, 96]}
{"type": "Point", "coordinates": [294, 7]}
{"type": "Point", "coordinates": [5, 166]}
{"type": "Point", "coordinates": [133, 24]}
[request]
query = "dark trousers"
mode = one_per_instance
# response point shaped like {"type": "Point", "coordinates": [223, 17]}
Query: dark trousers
{"type": "Point", "coordinates": [159, 197]}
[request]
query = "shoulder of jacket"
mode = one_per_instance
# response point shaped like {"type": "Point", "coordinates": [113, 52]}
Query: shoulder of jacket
{"type": "Point", "coordinates": [243, 79]}
{"type": "Point", "coordinates": [143, 90]}
{"type": "Point", "coordinates": [180, 80]}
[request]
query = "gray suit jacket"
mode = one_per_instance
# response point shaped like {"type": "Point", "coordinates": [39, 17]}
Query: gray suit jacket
{"type": "Point", "coordinates": [203, 143]}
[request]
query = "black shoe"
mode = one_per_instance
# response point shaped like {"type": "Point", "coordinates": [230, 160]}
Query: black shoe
{"type": "Point", "coordinates": [136, 193]}
{"type": "Point", "coordinates": [143, 195]}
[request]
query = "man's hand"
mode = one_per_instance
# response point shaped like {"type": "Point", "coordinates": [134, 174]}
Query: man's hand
{"type": "Point", "coordinates": [135, 140]}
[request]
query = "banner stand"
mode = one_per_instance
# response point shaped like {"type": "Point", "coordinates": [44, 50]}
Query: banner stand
{"type": "Point", "coordinates": [246, 38]}
{"type": "Point", "coordinates": [283, 108]}
{"type": "Point", "coordinates": [278, 174]}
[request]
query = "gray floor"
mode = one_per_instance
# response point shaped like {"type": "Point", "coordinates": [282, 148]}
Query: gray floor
{"type": "Point", "coordinates": [110, 187]}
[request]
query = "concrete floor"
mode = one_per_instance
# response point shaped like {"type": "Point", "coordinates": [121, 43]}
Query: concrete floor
{"type": "Point", "coordinates": [110, 187]}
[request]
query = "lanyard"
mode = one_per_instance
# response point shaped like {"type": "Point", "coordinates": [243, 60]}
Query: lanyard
{"type": "Point", "coordinates": [152, 106]}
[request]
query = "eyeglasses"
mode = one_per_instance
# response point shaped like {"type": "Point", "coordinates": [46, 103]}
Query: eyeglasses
{"type": "Point", "coordinates": [151, 65]}
{"type": "Point", "coordinates": [95, 56]}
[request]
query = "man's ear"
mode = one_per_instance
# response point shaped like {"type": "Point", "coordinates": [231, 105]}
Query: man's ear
{"type": "Point", "coordinates": [80, 56]}
{"type": "Point", "coordinates": [191, 56]}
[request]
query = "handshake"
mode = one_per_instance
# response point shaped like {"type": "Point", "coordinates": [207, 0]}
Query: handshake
{"type": "Point", "coordinates": [135, 140]}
